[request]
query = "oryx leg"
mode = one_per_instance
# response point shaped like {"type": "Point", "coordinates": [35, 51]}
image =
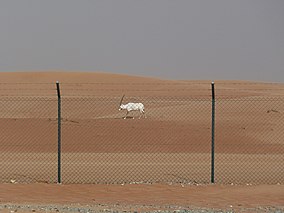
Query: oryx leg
{"type": "Point", "coordinates": [126, 114]}
{"type": "Point", "coordinates": [142, 113]}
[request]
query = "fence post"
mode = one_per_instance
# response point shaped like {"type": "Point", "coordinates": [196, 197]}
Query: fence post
{"type": "Point", "coordinates": [59, 133]}
{"type": "Point", "coordinates": [213, 134]}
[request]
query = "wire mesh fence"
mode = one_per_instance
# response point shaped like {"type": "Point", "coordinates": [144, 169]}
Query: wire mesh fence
{"type": "Point", "coordinates": [28, 135]}
{"type": "Point", "coordinates": [250, 140]}
{"type": "Point", "coordinates": [172, 143]}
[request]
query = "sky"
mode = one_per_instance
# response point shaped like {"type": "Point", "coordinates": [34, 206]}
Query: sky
{"type": "Point", "coordinates": [170, 39]}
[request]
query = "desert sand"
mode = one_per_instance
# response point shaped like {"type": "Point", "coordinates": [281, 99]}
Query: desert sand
{"type": "Point", "coordinates": [171, 146]}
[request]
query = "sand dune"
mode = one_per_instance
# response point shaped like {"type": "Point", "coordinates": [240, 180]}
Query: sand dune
{"type": "Point", "coordinates": [177, 131]}
{"type": "Point", "coordinates": [108, 84]}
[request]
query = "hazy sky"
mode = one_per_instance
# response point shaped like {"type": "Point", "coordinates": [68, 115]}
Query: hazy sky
{"type": "Point", "coordinates": [178, 39]}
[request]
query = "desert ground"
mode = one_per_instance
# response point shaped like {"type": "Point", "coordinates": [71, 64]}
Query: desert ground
{"type": "Point", "coordinates": [162, 159]}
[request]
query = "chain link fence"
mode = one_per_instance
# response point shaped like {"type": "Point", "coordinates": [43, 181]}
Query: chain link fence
{"type": "Point", "coordinates": [250, 140]}
{"type": "Point", "coordinates": [28, 138]}
{"type": "Point", "coordinates": [172, 144]}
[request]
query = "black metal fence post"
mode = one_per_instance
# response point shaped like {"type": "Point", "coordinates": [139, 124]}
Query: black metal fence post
{"type": "Point", "coordinates": [59, 133]}
{"type": "Point", "coordinates": [213, 134]}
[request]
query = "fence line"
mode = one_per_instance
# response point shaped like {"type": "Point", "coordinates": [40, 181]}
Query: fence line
{"type": "Point", "coordinates": [200, 134]}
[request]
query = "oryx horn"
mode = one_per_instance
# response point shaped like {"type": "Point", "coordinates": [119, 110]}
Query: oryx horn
{"type": "Point", "coordinates": [121, 100]}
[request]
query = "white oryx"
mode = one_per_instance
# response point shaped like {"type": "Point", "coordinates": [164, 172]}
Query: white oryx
{"type": "Point", "coordinates": [132, 107]}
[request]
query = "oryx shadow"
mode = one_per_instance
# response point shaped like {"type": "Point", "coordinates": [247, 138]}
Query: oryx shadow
{"type": "Point", "coordinates": [127, 117]}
